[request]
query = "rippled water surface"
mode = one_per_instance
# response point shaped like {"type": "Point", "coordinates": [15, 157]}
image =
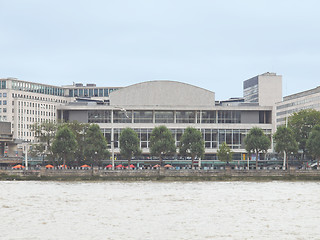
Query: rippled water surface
{"type": "Point", "coordinates": [153, 210]}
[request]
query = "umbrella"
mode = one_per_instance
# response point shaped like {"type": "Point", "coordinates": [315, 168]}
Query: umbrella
{"type": "Point", "coordinates": [109, 166]}
{"type": "Point", "coordinates": [168, 166]}
{"type": "Point", "coordinates": [18, 166]}
{"type": "Point", "coordinates": [49, 166]}
{"type": "Point", "coordinates": [132, 166]}
{"type": "Point", "coordinates": [156, 166]}
{"type": "Point", "coordinates": [85, 166]}
{"type": "Point", "coordinates": [119, 166]}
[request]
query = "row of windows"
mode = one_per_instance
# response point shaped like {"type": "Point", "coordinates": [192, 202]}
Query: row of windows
{"type": "Point", "coordinates": [91, 92]}
{"type": "Point", "coordinates": [213, 138]}
{"type": "Point", "coordinates": [314, 99]}
{"type": "Point", "coordinates": [15, 95]}
{"type": "Point", "coordinates": [222, 116]}
{"type": "Point", "coordinates": [37, 88]}
{"type": "Point", "coordinates": [33, 112]}
{"type": "Point", "coordinates": [3, 95]}
{"type": "Point", "coordinates": [32, 119]}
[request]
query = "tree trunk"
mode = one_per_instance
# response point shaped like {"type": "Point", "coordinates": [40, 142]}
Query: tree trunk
{"type": "Point", "coordinates": [192, 162]}
{"type": "Point", "coordinates": [257, 156]}
{"type": "Point", "coordinates": [287, 161]}
{"type": "Point", "coordinates": [129, 163]}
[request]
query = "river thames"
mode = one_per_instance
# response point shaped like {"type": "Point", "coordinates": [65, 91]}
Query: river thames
{"type": "Point", "coordinates": [159, 210]}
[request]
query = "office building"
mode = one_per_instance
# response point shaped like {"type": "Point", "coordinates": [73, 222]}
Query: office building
{"type": "Point", "coordinates": [309, 99]}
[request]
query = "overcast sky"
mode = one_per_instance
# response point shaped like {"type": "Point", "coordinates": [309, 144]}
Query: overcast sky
{"type": "Point", "coordinates": [211, 44]}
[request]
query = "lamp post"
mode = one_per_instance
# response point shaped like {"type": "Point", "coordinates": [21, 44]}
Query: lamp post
{"type": "Point", "coordinates": [26, 155]}
{"type": "Point", "coordinates": [112, 151]}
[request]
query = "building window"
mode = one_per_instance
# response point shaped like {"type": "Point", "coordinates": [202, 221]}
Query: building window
{"type": "Point", "coordinates": [4, 102]}
{"type": "Point", "coordinates": [122, 116]}
{"type": "Point", "coordinates": [185, 117]}
{"type": "Point", "coordinates": [106, 92]}
{"type": "Point", "coordinates": [207, 117]}
{"type": "Point", "coordinates": [143, 117]}
{"type": "Point", "coordinates": [164, 117]}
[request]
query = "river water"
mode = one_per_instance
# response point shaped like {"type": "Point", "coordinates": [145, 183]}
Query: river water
{"type": "Point", "coordinates": [159, 210]}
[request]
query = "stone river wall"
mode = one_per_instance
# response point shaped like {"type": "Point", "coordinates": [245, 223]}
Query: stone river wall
{"type": "Point", "coordinates": [159, 174]}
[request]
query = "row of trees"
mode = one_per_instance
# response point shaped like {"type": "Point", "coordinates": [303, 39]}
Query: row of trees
{"type": "Point", "coordinates": [301, 132]}
{"type": "Point", "coordinates": [84, 143]}
{"type": "Point", "coordinates": [69, 142]}
{"type": "Point", "coordinates": [80, 143]}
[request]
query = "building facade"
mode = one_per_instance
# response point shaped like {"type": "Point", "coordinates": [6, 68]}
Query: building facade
{"type": "Point", "coordinates": [176, 105]}
{"type": "Point", "coordinates": [264, 89]}
{"type": "Point", "coordinates": [309, 99]}
{"type": "Point", "coordinates": [24, 103]}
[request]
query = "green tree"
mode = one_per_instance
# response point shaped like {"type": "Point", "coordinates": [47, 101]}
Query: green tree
{"type": "Point", "coordinates": [79, 130]}
{"type": "Point", "coordinates": [301, 123]}
{"type": "Point", "coordinates": [161, 142]}
{"type": "Point", "coordinates": [64, 144]}
{"type": "Point", "coordinates": [191, 144]}
{"type": "Point", "coordinates": [225, 153]}
{"type": "Point", "coordinates": [256, 141]}
{"type": "Point", "coordinates": [313, 143]}
{"type": "Point", "coordinates": [44, 133]}
{"type": "Point", "coordinates": [129, 144]}
{"type": "Point", "coordinates": [38, 149]}
{"type": "Point", "coordinates": [285, 142]}
{"type": "Point", "coordinates": [95, 145]}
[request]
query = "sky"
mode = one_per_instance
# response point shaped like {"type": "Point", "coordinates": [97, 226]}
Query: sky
{"type": "Point", "coordinates": [212, 44]}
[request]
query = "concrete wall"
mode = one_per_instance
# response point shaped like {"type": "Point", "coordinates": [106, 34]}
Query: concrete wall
{"type": "Point", "coordinates": [270, 89]}
{"type": "Point", "coordinates": [162, 93]}
{"type": "Point", "coordinates": [5, 127]}
{"type": "Point", "coordinates": [80, 116]}
{"type": "Point", "coordinates": [249, 117]}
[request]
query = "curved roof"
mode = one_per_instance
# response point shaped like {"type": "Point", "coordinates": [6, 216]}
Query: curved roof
{"type": "Point", "coordinates": [162, 93]}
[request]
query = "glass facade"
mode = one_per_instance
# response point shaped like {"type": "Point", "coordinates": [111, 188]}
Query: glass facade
{"type": "Point", "coordinates": [164, 117]}
{"type": "Point", "coordinates": [35, 88]}
{"type": "Point", "coordinates": [185, 117]}
{"type": "Point", "coordinates": [122, 116]}
{"type": "Point", "coordinates": [90, 92]}
{"type": "Point", "coordinates": [99, 116]}
{"type": "Point", "coordinates": [213, 138]}
{"type": "Point", "coordinates": [180, 117]}
{"type": "Point", "coordinates": [143, 116]}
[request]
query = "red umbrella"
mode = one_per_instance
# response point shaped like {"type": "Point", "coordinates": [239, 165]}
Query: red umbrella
{"type": "Point", "coordinates": [109, 166]}
{"type": "Point", "coordinates": [119, 166]}
{"type": "Point", "coordinates": [132, 166]}
{"type": "Point", "coordinates": [19, 166]}
{"type": "Point", "coordinates": [49, 166]}
{"type": "Point", "coordinates": [85, 166]}
{"type": "Point", "coordinates": [168, 166]}
{"type": "Point", "coordinates": [156, 166]}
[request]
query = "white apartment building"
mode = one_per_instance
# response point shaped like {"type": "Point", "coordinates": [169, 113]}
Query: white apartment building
{"type": "Point", "coordinates": [24, 103]}
{"type": "Point", "coordinates": [309, 99]}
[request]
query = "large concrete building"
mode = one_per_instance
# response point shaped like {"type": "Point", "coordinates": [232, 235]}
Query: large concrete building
{"type": "Point", "coordinates": [24, 103]}
{"type": "Point", "coordinates": [177, 105]}
{"type": "Point", "coordinates": [309, 99]}
{"type": "Point", "coordinates": [265, 89]}
{"type": "Point", "coordinates": [143, 106]}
